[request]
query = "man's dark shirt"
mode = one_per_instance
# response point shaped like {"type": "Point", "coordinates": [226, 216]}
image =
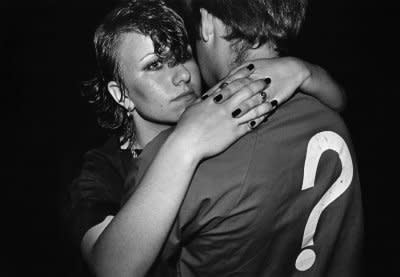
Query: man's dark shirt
{"type": "Point", "coordinates": [245, 212]}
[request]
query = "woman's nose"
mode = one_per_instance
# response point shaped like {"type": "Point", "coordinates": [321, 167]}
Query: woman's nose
{"type": "Point", "coordinates": [182, 75]}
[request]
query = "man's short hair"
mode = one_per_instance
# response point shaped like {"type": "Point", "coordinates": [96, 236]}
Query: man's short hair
{"type": "Point", "coordinates": [151, 18]}
{"type": "Point", "coordinates": [255, 22]}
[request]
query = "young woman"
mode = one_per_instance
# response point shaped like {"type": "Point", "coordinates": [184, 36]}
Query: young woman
{"type": "Point", "coordinates": [148, 82]}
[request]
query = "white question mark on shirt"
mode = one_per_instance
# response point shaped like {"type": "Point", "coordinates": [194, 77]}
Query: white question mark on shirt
{"type": "Point", "coordinates": [318, 144]}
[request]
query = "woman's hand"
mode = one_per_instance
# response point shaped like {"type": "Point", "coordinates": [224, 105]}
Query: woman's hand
{"type": "Point", "coordinates": [226, 112]}
{"type": "Point", "coordinates": [288, 74]}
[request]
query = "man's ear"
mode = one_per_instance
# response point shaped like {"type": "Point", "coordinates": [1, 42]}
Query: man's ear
{"type": "Point", "coordinates": [115, 91]}
{"type": "Point", "coordinates": [206, 25]}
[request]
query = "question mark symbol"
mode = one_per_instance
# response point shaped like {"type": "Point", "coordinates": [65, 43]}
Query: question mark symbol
{"type": "Point", "coordinates": [318, 144]}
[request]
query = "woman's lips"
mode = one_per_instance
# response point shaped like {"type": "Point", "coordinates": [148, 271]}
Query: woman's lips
{"type": "Point", "coordinates": [186, 96]}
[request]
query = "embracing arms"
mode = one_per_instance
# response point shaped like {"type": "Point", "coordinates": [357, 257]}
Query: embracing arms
{"type": "Point", "coordinates": [289, 74]}
{"type": "Point", "coordinates": [322, 86]}
{"type": "Point", "coordinates": [127, 244]}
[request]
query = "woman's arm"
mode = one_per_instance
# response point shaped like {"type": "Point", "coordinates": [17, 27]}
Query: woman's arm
{"type": "Point", "coordinates": [289, 74]}
{"type": "Point", "coordinates": [130, 242]}
{"type": "Point", "coordinates": [127, 244]}
{"type": "Point", "coordinates": [322, 86]}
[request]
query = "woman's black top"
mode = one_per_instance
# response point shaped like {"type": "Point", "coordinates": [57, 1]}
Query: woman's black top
{"type": "Point", "coordinates": [97, 192]}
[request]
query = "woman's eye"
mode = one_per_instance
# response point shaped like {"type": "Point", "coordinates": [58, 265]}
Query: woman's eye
{"type": "Point", "coordinates": [155, 65]}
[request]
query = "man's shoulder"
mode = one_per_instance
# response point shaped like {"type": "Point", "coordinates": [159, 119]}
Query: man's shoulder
{"type": "Point", "coordinates": [218, 184]}
{"type": "Point", "coordinates": [308, 108]}
{"type": "Point", "coordinates": [147, 155]}
{"type": "Point", "coordinates": [302, 114]}
{"type": "Point", "coordinates": [262, 151]}
{"type": "Point", "coordinates": [230, 166]}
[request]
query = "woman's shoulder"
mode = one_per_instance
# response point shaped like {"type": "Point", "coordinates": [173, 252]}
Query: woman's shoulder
{"type": "Point", "coordinates": [109, 152]}
{"type": "Point", "coordinates": [107, 160]}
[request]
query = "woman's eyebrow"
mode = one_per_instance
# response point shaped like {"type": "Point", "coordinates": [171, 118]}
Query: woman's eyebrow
{"type": "Point", "coordinates": [148, 54]}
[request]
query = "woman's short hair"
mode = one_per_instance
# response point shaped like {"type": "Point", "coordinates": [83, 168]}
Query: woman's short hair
{"type": "Point", "coordinates": [147, 17]}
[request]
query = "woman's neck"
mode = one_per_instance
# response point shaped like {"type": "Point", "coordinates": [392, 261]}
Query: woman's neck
{"type": "Point", "coordinates": [146, 130]}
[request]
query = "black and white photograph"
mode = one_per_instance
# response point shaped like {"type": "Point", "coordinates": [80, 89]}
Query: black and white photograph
{"type": "Point", "coordinates": [200, 138]}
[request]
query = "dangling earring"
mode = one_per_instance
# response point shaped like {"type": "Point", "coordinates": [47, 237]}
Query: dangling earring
{"type": "Point", "coordinates": [129, 111]}
{"type": "Point", "coordinates": [134, 147]}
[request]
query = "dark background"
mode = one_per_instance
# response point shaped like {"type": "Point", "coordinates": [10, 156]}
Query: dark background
{"type": "Point", "coordinates": [46, 53]}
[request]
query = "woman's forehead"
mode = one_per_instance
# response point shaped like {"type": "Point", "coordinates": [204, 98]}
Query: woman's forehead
{"type": "Point", "coordinates": [135, 47]}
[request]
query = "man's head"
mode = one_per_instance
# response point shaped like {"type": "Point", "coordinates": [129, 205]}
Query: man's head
{"type": "Point", "coordinates": [144, 62]}
{"type": "Point", "coordinates": [231, 31]}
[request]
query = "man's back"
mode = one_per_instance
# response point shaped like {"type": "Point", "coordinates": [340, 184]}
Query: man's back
{"type": "Point", "coordinates": [245, 212]}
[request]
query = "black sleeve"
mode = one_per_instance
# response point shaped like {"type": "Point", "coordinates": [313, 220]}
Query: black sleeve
{"type": "Point", "coordinates": [94, 194]}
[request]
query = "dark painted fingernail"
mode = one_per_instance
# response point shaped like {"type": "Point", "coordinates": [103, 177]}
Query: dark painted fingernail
{"type": "Point", "coordinates": [252, 124]}
{"type": "Point", "coordinates": [218, 98]}
{"type": "Point", "coordinates": [221, 86]}
{"type": "Point", "coordinates": [250, 67]}
{"type": "Point", "coordinates": [236, 112]}
{"type": "Point", "coordinates": [267, 80]}
{"type": "Point", "coordinates": [205, 96]}
{"type": "Point", "coordinates": [274, 104]}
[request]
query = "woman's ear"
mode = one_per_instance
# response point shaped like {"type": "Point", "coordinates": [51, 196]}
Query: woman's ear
{"type": "Point", "coordinates": [115, 91]}
{"type": "Point", "coordinates": [206, 25]}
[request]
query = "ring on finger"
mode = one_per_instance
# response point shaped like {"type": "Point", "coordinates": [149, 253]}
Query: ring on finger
{"type": "Point", "coordinates": [224, 84]}
{"type": "Point", "coordinates": [263, 96]}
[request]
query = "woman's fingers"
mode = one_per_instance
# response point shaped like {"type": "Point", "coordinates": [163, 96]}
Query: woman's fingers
{"type": "Point", "coordinates": [255, 112]}
{"type": "Point", "coordinates": [240, 73]}
{"type": "Point", "coordinates": [250, 125]}
{"type": "Point", "coordinates": [226, 91]}
{"type": "Point", "coordinates": [249, 104]}
{"type": "Point", "coordinates": [241, 96]}
{"type": "Point", "coordinates": [245, 92]}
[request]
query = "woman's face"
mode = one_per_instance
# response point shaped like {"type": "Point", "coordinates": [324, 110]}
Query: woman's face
{"type": "Point", "coordinates": [160, 93]}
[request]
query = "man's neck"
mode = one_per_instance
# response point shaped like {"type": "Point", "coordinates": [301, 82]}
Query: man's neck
{"type": "Point", "coordinates": [263, 52]}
